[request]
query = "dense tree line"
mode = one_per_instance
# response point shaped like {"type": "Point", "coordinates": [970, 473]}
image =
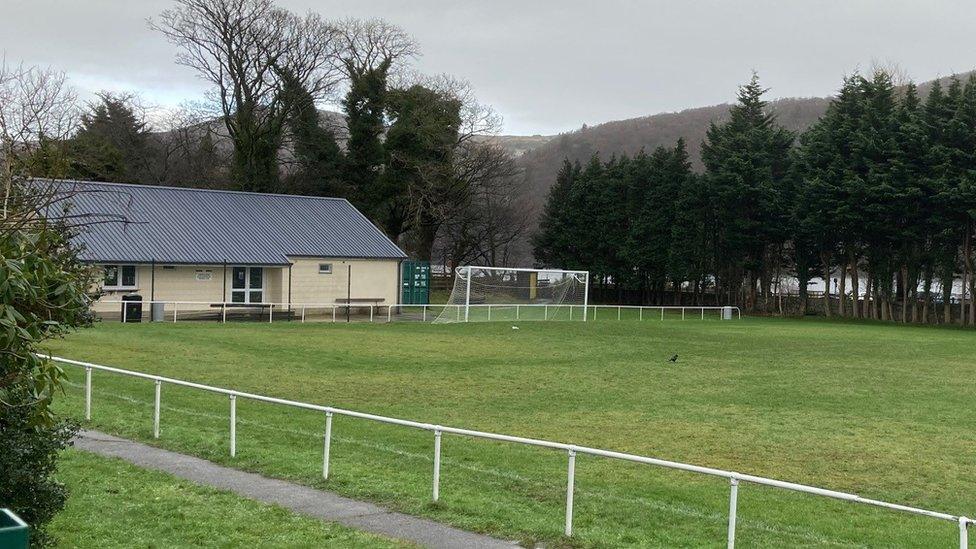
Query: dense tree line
{"type": "Point", "coordinates": [878, 194]}
{"type": "Point", "coordinates": [402, 148]}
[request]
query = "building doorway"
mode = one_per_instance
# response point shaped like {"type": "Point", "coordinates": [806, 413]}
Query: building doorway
{"type": "Point", "coordinates": [247, 285]}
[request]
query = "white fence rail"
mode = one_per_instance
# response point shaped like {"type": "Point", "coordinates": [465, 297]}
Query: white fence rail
{"type": "Point", "coordinates": [426, 313]}
{"type": "Point", "coordinates": [571, 450]}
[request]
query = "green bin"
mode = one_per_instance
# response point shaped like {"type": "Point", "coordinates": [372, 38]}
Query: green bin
{"type": "Point", "coordinates": [14, 532]}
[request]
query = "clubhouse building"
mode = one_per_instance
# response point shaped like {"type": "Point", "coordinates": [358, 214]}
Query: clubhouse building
{"type": "Point", "coordinates": [204, 248]}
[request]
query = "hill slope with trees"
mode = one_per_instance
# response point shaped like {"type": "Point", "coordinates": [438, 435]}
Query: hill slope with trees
{"type": "Point", "coordinates": [542, 163]}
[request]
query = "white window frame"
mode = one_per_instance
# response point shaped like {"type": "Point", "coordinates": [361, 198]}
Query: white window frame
{"type": "Point", "coordinates": [119, 285]}
{"type": "Point", "coordinates": [327, 271]}
{"type": "Point", "coordinates": [247, 289]}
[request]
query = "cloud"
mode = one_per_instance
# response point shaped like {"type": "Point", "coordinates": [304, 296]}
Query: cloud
{"type": "Point", "coordinates": [547, 66]}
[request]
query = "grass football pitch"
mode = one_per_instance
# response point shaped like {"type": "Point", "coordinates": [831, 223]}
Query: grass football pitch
{"type": "Point", "coordinates": [885, 411]}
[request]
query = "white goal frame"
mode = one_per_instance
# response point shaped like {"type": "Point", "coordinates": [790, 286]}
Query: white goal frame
{"type": "Point", "coordinates": [467, 272]}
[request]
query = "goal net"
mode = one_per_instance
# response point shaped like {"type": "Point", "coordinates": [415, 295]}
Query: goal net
{"type": "Point", "coordinates": [483, 294]}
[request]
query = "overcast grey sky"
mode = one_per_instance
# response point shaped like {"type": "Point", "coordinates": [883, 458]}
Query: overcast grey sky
{"type": "Point", "coordinates": [548, 66]}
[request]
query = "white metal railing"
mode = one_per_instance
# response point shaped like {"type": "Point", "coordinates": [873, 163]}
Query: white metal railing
{"type": "Point", "coordinates": [376, 310]}
{"type": "Point", "coordinates": [572, 450]}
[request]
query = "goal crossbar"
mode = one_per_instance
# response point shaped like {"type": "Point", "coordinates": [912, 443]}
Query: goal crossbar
{"type": "Point", "coordinates": [466, 268]}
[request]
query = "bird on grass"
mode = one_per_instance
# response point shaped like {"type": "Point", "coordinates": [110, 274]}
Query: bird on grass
{"type": "Point", "coordinates": [674, 358]}
{"type": "Point", "coordinates": [515, 327]}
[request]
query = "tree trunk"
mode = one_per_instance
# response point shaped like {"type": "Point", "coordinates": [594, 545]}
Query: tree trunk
{"type": "Point", "coordinates": [842, 290]}
{"type": "Point", "coordinates": [947, 301]}
{"type": "Point", "coordinates": [826, 296]}
{"type": "Point", "coordinates": [972, 275]}
{"type": "Point", "coordinates": [876, 299]}
{"type": "Point", "coordinates": [855, 288]}
{"type": "Point", "coordinates": [928, 298]}
{"type": "Point", "coordinates": [751, 296]}
{"type": "Point", "coordinates": [803, 297]}
{"type": "Point", "coordinates": [965, 278]}
{"type": "Point", "coordinates": [904, 294]}
{"type": "Point", "coordinates": [867, 305]}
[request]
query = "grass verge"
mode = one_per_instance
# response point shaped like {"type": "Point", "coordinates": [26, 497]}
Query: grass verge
{"type": "Point", "coordinates": [113, 503]}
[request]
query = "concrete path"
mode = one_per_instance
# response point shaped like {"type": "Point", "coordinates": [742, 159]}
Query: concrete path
{"type": "Point", "coordinates": [300, 499]}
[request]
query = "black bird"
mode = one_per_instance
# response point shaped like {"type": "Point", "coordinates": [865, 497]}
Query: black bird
{"type": "Point", "coordinates": [674, 358]}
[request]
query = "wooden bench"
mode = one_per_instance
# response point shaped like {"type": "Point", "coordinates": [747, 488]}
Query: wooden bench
{"type": "Point", "coordinates": [361, 300]}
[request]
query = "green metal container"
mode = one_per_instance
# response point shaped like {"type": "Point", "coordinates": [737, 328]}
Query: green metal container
{"type": "Point", "coordinates": [14, 532]}
{"type": "Point", "coordinates": [415, 287]}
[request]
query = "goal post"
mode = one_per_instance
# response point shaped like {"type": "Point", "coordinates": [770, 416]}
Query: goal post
{"type": "Point", "coordinates": [513, 293]}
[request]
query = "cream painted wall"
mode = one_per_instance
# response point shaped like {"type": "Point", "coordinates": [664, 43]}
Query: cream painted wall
{"type": "Point", "coordinates": [275, 291]}
{"type": "Point", "coordinates": [371, 278]}
{"type": "Point", "coordinates": [178, 283]}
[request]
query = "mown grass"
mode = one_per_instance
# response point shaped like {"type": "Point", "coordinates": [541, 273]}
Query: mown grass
{"type": "Point", "coordinates": [115, 504]}
{"type": "Point", "coordinates": [882, 410]}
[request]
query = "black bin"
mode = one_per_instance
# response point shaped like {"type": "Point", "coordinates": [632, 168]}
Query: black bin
{"type": "Point", "coordinates": [132, 308]}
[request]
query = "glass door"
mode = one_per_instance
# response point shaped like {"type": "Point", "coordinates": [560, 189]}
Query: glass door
{"type": "Point", "coordinates": [247, 285]}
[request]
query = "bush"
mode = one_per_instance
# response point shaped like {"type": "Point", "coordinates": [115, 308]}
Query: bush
{"type": "Point", "coordinates": [43, 294]}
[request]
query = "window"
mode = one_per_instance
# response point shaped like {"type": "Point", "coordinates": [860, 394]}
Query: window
{"type": "Point", "coordinates": [119, 277]}
{"type": "Point", "coordinates": [325, 268]}
{"type": "Point", "coordinates": [247, 285]}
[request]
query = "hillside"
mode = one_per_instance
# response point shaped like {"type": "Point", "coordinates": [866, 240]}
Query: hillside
{"type": "Point", "coordinates": [629, 136]}
{"type": "Point", "coordinates": [519, 145]}
{"type": "Point", "coordinates": [647, 132]}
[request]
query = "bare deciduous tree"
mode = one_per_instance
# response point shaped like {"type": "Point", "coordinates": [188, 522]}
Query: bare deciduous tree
{"type": "Point", "coordinates": [244, 47]}
{"type": "Point", "coordinates": [488, 229]}
{"type": "Point", "coordinates": [368, 44]}
{"type": "Point", "coordinates": [36, 105]}
{"type": "Point", "coordinates": [189, 148]}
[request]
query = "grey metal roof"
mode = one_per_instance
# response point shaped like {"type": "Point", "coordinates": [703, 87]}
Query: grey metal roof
{"type": "Point", "coordinates": [200, 226]}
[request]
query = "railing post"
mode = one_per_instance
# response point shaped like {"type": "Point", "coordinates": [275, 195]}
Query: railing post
{"type": "Point", "coordinates": [570, 481]}
{"type": "Point", "coordinates": [176, 308]}
{"type": "Point", "coordinates": [271, 313]}
{"type": "Point", "coordinates": [303, 314]}
{"type": "Point", "coordinates": [662, 313]}
{"type": "Point", "coordinates": [333, 314]}
{"type": "Point", "coordinates": [233, 425]}
{"type": "Point", "coordinates": [223, 313]}
{"type": "Point", "coordinates": [425, 314]}
{"type": "Point", "coordinates": [159, 385]}
{"type": "Point", "coordinates": [489, 312]}
{"type": "Point", "coordinates": [640, 313]}
{"type": "Point", "coordinates": [437, 464]}
{"type": "Point", "coordinates": [327, 447]}
{"type": "Point", "coordinates": [88, 374]}
{"type": "Point", "coordinates": [389, 314]}
{"type": "Point", "coordinates": [963, 533]}
{"type": "Point", "coordinates": [733, 504]}
{"type": "Point", "coordinates": [703, 313]}
{"type": "Point", "coordinates": [682, 313]}
{"type": "Point", "coordinates": [517, 316]}
{"type": "Point", "coordinates": [371, 313]}
{"type": "Point", "coordinates": [545, 313]}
